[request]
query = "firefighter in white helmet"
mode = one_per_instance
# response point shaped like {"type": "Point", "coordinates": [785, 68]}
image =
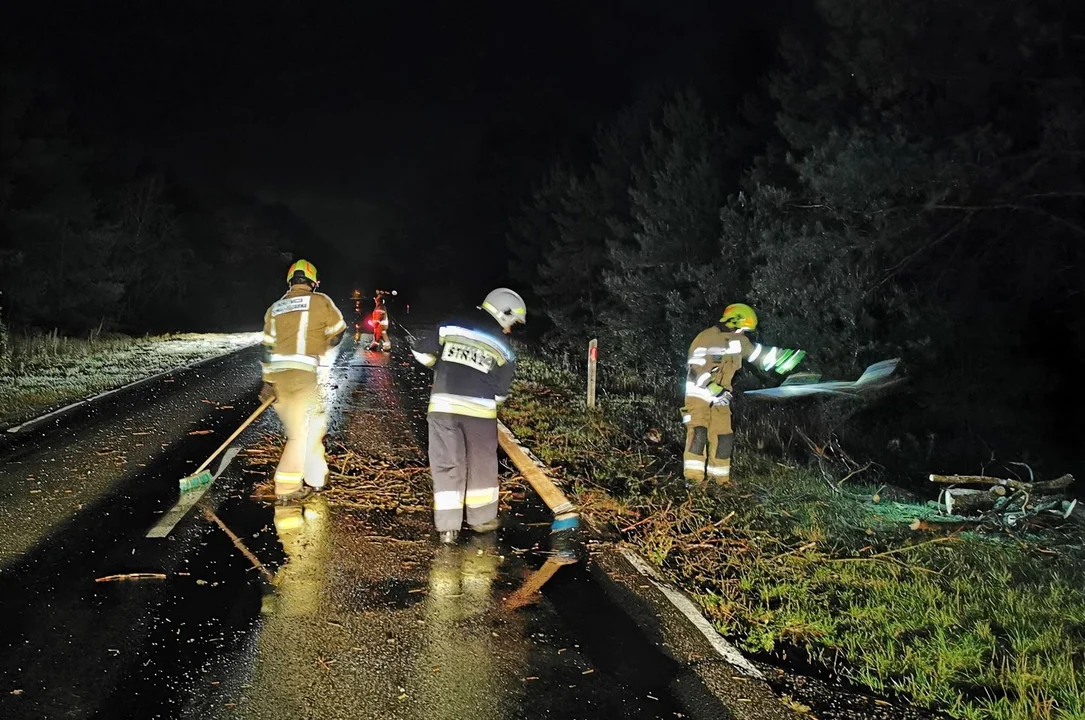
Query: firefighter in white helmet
{"type": "Point", "coordinates": [298, 329]}
{"type": "Point", "coordinates": [473, 368]}
{"type": "Point", "coordinates": [714, 357]}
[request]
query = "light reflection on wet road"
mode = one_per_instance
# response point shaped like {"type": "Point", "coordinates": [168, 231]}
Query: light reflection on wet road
{"type": "Point", "coordinates": [370, 618]}
{"type": "Point", "coordinates": [48, 476]}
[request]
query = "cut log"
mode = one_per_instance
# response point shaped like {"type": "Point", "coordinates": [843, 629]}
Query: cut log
{"type": "Point", "coordinates": [1045, 503]}
{"type": "Point", "coordinates": [962, 501]}
{"type": "Point", "coordinates": [1056, 484]}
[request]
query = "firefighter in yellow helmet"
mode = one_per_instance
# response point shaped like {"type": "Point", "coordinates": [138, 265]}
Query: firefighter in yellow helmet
{"type": "Point", "coordinates": [299, 328]}
{"type": "Point", "coordinates": [714, 357]}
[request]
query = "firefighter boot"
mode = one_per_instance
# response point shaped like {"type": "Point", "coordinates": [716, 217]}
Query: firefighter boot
{"type": "Point", "coordinates": [488, 526]}
{"type": "Point", "coordinates": [294, 497]}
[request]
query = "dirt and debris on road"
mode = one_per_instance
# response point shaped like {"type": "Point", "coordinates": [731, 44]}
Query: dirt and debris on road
{"type": "Point", "coordinates": [371, 618]}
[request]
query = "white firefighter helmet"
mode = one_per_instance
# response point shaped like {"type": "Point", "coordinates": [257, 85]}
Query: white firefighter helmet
{"type": "Point", "coordinates": [506, 306]}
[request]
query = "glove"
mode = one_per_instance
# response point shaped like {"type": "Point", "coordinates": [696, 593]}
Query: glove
{"type": "Point", "coordinates": [722, 395]}
{"type": "Point", "coordinates": [267, 392]}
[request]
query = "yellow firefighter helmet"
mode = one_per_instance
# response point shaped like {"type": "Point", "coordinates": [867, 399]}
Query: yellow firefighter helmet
{"type": "Point", "coordinates": [301, 270]}
{"type": "Point", "coordinates": [739, 317]}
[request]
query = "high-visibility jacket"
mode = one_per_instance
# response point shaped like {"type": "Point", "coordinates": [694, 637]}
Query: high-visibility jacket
{"type": "Point", "coordinates": [472, 366]}
{"type": "Point", "coordinates": [299, 328]}
{"type": "Point", "coordinates": [718, 352]}
{"type": "Point", "coordinates": [380, 316]}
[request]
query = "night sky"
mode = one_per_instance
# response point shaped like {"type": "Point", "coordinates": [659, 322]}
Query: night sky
{"type": "Point", "coordinates": [369, 118]}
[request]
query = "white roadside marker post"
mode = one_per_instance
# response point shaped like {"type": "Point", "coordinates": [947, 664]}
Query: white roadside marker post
{"type": "Point", "coordinates": [593, 360]}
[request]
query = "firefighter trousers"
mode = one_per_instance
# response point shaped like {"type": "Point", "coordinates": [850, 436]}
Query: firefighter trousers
{"type": "Point", "coordinates": [463, 461]}
{"type": "Point", "coordinates": [300, 408]}
{"type": "Point", "coordinates": [709, 440]}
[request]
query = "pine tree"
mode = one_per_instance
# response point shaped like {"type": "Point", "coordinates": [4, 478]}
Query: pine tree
{"type": "Point", "coordinates": [930, 201]}
{"type": "Point", "coordinates": [5, 346]}
{"type": "Point", "coordinates": [660, 274]}
{"type": "Point", "coordinates": [570, 275]}
{"type": "Point", "coordinates": [535, 232]}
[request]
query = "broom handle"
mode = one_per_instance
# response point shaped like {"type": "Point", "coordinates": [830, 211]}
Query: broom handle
{"type": "Point", "coordinates": [553, 497]}
{"type": "Point", "coordinates": [256, 413]}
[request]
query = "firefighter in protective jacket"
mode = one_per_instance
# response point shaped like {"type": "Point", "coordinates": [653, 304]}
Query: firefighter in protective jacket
{"type": "Point", "coordinates": [472, 371]}
{"type": "Point", "coordinates": [298, 329]}
{"type": "Point", "coordinates": [714, 357]}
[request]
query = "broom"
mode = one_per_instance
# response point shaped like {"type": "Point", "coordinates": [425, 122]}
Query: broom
{"type": "Point", "coordinates": [203, 476]}
{"type": "Point", "coordinates": [564, 531]}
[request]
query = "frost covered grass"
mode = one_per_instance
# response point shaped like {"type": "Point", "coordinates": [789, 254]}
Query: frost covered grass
{"type": "Point", "coordinates": [44, 370]}
{"type": "Point", "coordinates": [978, 626]}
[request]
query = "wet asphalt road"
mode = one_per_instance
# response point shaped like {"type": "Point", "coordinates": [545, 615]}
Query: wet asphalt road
{"type": "Point", "coordinates": [369, 618]}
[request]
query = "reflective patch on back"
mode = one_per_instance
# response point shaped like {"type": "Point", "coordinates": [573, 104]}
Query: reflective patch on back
{"type": "Point", "coordinates": [486, 343]}
{"type": "Point", "coordinates": [733, 348]}
{"type": "Point", "coordinates": [289, 305]}
{"type": "Point", "coordinates": [472, 357]}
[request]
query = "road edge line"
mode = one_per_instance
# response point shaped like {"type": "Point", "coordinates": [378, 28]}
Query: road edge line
{"type": "Point", "coordinates": [187, 500]}
{"type": "Point", "coordinates": [681, 602]}
{"type": "Point", "coordinates": [684, 605]}
{"type": "Point", "coordinates": [28, 424]}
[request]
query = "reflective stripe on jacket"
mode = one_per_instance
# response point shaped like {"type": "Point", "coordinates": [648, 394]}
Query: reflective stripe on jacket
{"type": "Point", "coordinates": [462, 405]}
{"type": "Point", "coordinates": [714, 357]}
{"type": "Point", "coordinates": [717, 353]}
{"type": "Point", "coordinates": [472, 366]}
{"type": "Point", "coordinates": [299, 328]}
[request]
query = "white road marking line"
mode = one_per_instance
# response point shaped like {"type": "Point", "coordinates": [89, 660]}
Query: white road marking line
{"type": "Point", "coordinates": [34, 421]}
{"type": "Point", "coordinates": [168, 521]}
{"type": "Point", "coordinates": [681, 603]}
{"type": "Point", "coordinates": [685, 606]}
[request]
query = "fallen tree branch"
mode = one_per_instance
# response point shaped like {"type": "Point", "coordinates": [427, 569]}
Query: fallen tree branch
{"type": "Point", "coordinates": [1056, 484]}
{"type": "Point", "coordinates": [944, 538]}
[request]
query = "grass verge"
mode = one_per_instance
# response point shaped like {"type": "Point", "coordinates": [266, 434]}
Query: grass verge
{"type": "Point", "coordinates": [43, 370]}
{"type": "Point", "coordinates": [979, 626]}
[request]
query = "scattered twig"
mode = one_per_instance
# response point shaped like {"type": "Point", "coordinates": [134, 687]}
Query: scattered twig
{"type": "Point", "coordinates": [855, 472]}
{"type": "Point", "coordinates": [1031, 475]}
{"type": "Point", "coordinates": [131, 576]}
{"type": "Point", "coordinates": [944, 538]}
{"type": "Point", "coordinates": [363, 483]}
